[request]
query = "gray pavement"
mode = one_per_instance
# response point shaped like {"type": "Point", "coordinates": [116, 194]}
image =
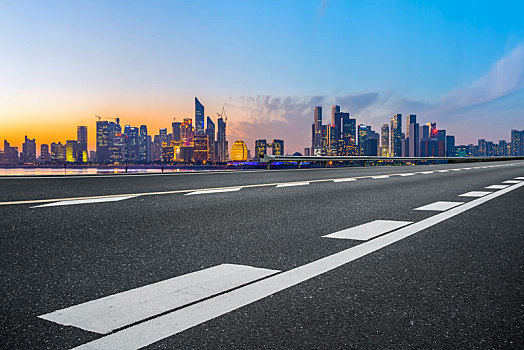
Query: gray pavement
{"type": "Point", "coordinates": [456, 284]}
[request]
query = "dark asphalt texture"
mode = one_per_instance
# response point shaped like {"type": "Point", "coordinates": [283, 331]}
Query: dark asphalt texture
{"type": "Point", "coordinates": [458, 284]}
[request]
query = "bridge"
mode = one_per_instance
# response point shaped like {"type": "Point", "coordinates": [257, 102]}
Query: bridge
{"type": "Point", "coordinates": [425, 256]}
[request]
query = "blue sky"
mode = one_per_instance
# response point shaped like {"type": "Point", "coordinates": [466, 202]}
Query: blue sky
{"type": "Point", "coordinates": [269, 62]}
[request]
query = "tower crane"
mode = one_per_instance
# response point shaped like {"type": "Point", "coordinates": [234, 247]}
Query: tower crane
{"type": "Point", "coordinates": [100, 118]}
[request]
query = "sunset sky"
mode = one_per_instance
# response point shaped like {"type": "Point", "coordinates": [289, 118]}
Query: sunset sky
{"type": "Point", "coordinates": [459, 63]}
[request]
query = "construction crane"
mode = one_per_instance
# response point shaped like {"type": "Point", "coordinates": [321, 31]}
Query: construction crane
{"type": "Point", "coordinates": [100, 118]}
{"type": "Point", "coordinates": [223, 114]}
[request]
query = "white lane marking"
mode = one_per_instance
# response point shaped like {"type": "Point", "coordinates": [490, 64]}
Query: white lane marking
{"type": "Point", "coordinates": [369, 230]}
{"type": "Point", "coordinates": [84, 201]}
{"type": "Point", "coordinates": [154, 330]}
{"type": "Point", "coordinates": [511, 182]}
{"type": "Point", "coordinates": [426, 172]}
{"type": "Point", "coordinates": [519, 178]}
{"type": "Point", "coordinates": [234, 189]}
{"type": "Point", "coordinates": [456, 169]}
{"type": "Point", "coordinates": [406, 174]}
{"type": "Point", "coordinates": [439, 206]}
{"type": "Point", "coordinates": [496, 187]}
{"type": "Point", "coordinates": [443, 171]}
{"type": "Point", "coordinates": [380, 177]}
{"type": "Point", "coordinates": [115, 311]}
{"type": "Point", "coordinates": [291, 184]}
{"type": "Point", "coordinates": [466, 168]}
{"type": "Point", "coordinates": [474, 194]}
{"type": "Point", "coordinates": [347, 179]}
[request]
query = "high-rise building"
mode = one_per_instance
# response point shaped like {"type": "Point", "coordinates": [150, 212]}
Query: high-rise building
{"type": "Point", "coordinates": [278, 147]}
{"type": "Point", "coordinates": [45, 156]}
{"type": "Point", "coordinates": [502, 148]}
{"type": "Point", "coordinates": [201, 147]}
{"type": "Point", "coordinates": [81, 138]}
{"type": "Point", "coordinates": [115, 142]}
{"type": "Point", "coordinates": [143, 149]}
{"type": "Point", "coordinates": [10, 154]}
{"type": "Point", "coordinates": [210, 132]}
{"type": "Point", "coordinates": [260, 148]}
{"type": "Point", "coordinates": [363, 131]}
{"type": "Point", "coordinates": [186, 131]}
{"type": "Point", "coordinates": [410, 119]}
{"type": "Point", "coordinates": [102, 141]}
{"type": "Point", "coordinates": [176, 131]}
{"type": "Point", "coordinates": [414, 140]}
{"type": "Point", "coordinates": [333, 139]}
{"type": "Point", "coordinates": [131, 144]}
{"type": "Point", "coordinates": [450, 146]}
{"type": "Point", "coordinates": [221, 142]}
{"type": "Point", "coordinates": [28, 154]}
{"type": "Point", "coordinates": [334, 110]}
{"type": "Point", "coordinates": [71, 150]}
{"type": "Point", "coordinates": [317, 138]}
{"type": "Point", "coordinates": [517, 142]}
{"type": "Point", "coordinates": [396, 135]}
{"type": "Point", "coordinates": [57, 153]}
{"type": "Point", "coordinates": [199, 117]}
{"type": "Point", "coordinates": [384, 140]}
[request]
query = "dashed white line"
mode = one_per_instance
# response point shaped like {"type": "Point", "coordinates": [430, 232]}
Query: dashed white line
{"type": "Point", "coordinates": [380, 177]}
{"type": "Point", "coordinates": [115, 311]}
{"type": "Point", "coordinates": [234, 189]}
{"type": "Point", "coordinates": [439, 206]}
{"type": "Point", "coordinates": [496, 187]}
{"type": "Point", "coordinates": [519, 178]}
{"type": "Point", "coordinates": [406, 174]}
{"type": "Point", "coordinates": [368, 230]}
{"type": "Point", "coordinates": [292, 184]}
{"type": "Point", "coordinates": [347, 179]}
{"type": "Point", "coordinates": [426, 172]}
{"type": "Point", "coordinates": [84, 201]}
{"type": "Point", "coordinates": [511, 182]}
{"type": "Point", "coordinates": [474, 194]}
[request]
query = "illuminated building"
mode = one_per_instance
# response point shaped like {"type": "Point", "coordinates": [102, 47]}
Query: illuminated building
{"type": "Point", "coordinates": [81, 138]}
{"type": "Point", "coordinates": [117, 154]}
{"type": "Point", "coordinates": [45, 157]}
{"type": "Point", "coordinates": [517, 142]}
{"type": "Point", "coordinates": [57, 153]}
{"type": "Point", "coordinates": [260, 148]}
{"type": "Point", "coordinates": [317, 136]}
{"type": "Point", "coordinates": [131, 144]}
{"type": "Point", "coordinates": [334, 110]}
{"type": "Point", "coordinates": [221, 142]}
{"type": "Point", "coordinates": [28, 154]}
{"type": "Point", "coordinates": [10, 154]}
{"type": "Point", "coordinates": [201, 148]}
{"type": "Point", "coordinates": [210, 132]}
{"type": "Point", "coordinates": [333, 138]}
{"type": "Point", "coordinates": [186, 131]}
{"type": "Point", "coordinates": [396, 135]}
{"type": "Point", "coordinates": [384, 140]}
{"type": "Point", "coordinates": [278, 147]}
{"type": "Point", "coordinates": [199, 117]}
{"type": "Point", "coordinates": [239, 151]}
{"type": "Point", "coordinates": [71, 151]}
{"type": "Point", "coordinates": [143, 147]}
{"type": "Point", "coordinates": [102, 141]}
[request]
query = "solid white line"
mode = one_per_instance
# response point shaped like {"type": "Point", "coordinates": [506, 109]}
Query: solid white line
{"type": "Point", "coordinates": [426, 172]}
{"type": "Point", "coordinates": [84, 201]}
{"type": "Point", "coordinates": [443, 171]}
{"type": "Point", "coordinates": [149, 332]}
{"type": "Point", "coordinates": [234, 189]}
{"type": "Point", "coordinates": [106, 314]}
{"type": "Point", "coordinates": [369, 230]}
{"type": "Point", "coordinates": [380, 177]}
{"type": "Point", "coordinates": [474, 194]}
{"type": "Point", "coordinates": [291, 184]}
{"type": "Point", "coordinates": [439, 206]}
{"type": "Point", "coordinates": [406, 174]}
{"type": "Point", "coordinates": [347, 179]}
{"type": "Point", "coordinates": [456, 169]}
{"type": "Point", "coordinates": [496, 187]}
{"type": "Point", "coordinates": [511, 182]}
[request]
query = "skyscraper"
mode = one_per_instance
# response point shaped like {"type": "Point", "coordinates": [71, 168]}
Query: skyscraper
{"type": "Point", "coordinates": [176, 130]}
{"type": "Point", "coordinates": [81, 137]}
{"type": "Point", "coordinates": [450, 146]}
{"type": "Point", "coordinates": [210, 131]}
{"type": "Point", "coordinates": [221, 143]}
{"type": "Point", "coordinates": [131, 144]}
{"type": "Point", "coordinates": [384, 140]}
{"type": "Point", "coordinates": [45, 157]}
{"type": "Point", "coordinates": [28, 154]}
{"type": "Point", "coordinates": [317, 144]}
{"type": "Point", "coordinates": [199, 117]}
{"type": "Point", "coordinates": [278, 147]}
{"type": "Point", "coordinates": [102, 141]}
{"type": "Point", "coordinates": [396, 135]}
{"type": "Point", "coordinates": [143, 149]}
{"type": "Point", "coordinates": [334, 110]}
{"type": "Point", "coordinates": [517, 142]}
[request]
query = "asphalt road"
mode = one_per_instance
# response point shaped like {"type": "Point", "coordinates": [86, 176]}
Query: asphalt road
{"type": "Point", "coordinates": [452, 279]}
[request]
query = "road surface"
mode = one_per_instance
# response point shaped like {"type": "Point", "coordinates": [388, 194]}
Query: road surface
{"type": "Point", "coordinates": [393, 257]}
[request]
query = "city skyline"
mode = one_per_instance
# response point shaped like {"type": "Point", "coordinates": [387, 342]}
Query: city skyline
{"type": "Point", "coordinates": [453, 64]}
